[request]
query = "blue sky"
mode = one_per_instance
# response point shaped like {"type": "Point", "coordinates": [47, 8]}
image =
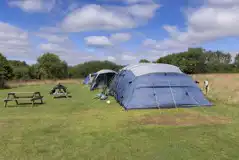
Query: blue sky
{"type": "Point", "coordinates": [122, 31]}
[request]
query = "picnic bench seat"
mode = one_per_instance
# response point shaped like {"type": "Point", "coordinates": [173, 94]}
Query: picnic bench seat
{"type": "Point", "coordinates": [25, 96]}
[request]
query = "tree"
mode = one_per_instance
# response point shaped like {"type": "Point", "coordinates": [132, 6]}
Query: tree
{"type": "Point", "coordinates": [82, 70]}
{"type": "Point", "coordinates": [236, 61]}
{"type": "Point", "coordinates": [34, 71]}
{"type": "Point", "coordinates": [51, 67]}
{"type": "Point", "coordinates": [21, 73]}
{"type": "Point", "coordinates": [5, 68]}
{"type": "Point", "coordinates": [144, 61]}
{"type": "Point", "coordinates": [20, 69]}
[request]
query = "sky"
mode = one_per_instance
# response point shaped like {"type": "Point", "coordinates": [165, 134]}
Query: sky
{"type": "Point", "coordinates": [121, 31]}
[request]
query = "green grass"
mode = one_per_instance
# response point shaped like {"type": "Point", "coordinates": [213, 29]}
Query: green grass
{"type": "Point", "coordinates": [88, 129]}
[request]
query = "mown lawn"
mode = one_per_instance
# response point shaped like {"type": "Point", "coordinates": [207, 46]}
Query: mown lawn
{"type": "Point", "coordinates": [88, 129]}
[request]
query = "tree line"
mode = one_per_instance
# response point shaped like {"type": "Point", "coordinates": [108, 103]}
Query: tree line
{"type": "Point", "coordinates": [50, 66]}
{"type": "Point", "coordinates": [199, 60]}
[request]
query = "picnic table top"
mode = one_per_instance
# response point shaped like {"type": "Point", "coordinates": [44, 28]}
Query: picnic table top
{"type": "Point", "coordinates": [24, 92]}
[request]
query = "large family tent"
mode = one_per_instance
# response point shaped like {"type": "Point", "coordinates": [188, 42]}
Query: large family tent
{"type": "Point", "coordinates": [155, 86]}
{"type": "Point", "coordinates": [102, 78]}
{"type": "Point", "coordinates": [89, 78]}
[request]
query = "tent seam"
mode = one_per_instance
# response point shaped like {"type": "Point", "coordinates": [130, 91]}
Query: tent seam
{"type": "Point", "coordinates": [156, 97]}
{"type": "Point", "coordinates": [172, 94]}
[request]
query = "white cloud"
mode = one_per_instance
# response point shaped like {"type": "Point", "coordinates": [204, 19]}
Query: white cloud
{"type": "Point", "coordinates": [98, 41]}
{"type": "Point", "coordinates": [69, 53]}
{"type": "Point", "coordinates": [206, 23]}
{"type": "Point", "coordinates": [223, 2]}
{"type": "Point", "coordinates": [14, 42]}
{"type": "Point", "coordinates": [54, 38]}
{"type": "Point", "coordinates": [120, 37]}
{"type": "Point", "coordinates": [126, 57]}
{"type": "Point", "coordinates": [51, 47]}
{"type": "Point", "coordinates": [97, 17]}
{"type": "Point", "coordinates": [138, 1]}
{"type": "Point", "coordinates": [150, 43]}
{"type": "Point", "coordinates": [111, 58]}
{"type": "Point", "coordinates": [145, 11]}
{"type": "Point", "coordinates": [103, 41]}
{"type": "Point", "coordinates": [130, 1]}
{"type": "Point", "coordinates": [33, 5]}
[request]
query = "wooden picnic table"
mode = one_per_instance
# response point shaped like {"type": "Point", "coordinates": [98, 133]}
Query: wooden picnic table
{"type": "Point", "coordinates": [61, 93]}
{"type": "Point", "coordinates": [17, 96]}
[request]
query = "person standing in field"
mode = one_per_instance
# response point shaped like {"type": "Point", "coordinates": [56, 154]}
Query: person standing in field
{"type": "Point", "coordinates": [206, 86]}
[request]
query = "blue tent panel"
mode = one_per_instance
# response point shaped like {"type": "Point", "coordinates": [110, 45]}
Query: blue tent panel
{"type": "Point", "coordinates": [86, 80]}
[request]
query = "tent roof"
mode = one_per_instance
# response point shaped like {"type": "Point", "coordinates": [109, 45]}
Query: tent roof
{"type": "Point", "coordinates": [146, 68]}
{"type": "Point", "coordinates": [105, 71]}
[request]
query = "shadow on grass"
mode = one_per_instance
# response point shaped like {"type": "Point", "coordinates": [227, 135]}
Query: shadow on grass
{"type": "Point", "coordinates": [61, 97]}
{"type": "Point", "coordinates": [25, 105]}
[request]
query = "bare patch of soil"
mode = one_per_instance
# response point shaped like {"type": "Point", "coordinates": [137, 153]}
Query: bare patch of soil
{"type": "Point", "coordinates": [184, 119]}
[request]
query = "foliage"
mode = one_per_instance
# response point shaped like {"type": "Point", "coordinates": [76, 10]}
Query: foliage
{"type": "Point", "coordinates": [82, 70]}
{"type": "Point", "coordinates": [5, 68]}
{"type": "Point", "coordinates": [144, 61]}
{"type": "Point", "coordinates": [51, 67]}
{"type": "Point", "coordinates": [34, 71]}
{"type": "Point", "coordinates": [20, 70]}
{"type": "Point", "coordinates": [198, 60]}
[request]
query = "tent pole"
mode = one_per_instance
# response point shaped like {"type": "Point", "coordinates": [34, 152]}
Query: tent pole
{"type": "Point", "coordinates": [156, 97]}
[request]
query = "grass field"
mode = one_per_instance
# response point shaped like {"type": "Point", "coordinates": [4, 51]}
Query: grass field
{"type": "Point", "coordinates": [84, 128]}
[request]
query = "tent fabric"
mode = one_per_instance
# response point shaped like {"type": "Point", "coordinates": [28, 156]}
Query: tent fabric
{"type": "Point", "coordinates": [86, 80]}
{"type": "Point", "coordinates": [153, 68]}
{"type": "Point", "coordinates": [103, 71]}
{"type": "Point", "coordinates": [102, 79]}
{"type": "Point", "coordinates": [89, 78]}
{"type": "Point", "coordinates": [165, 86]}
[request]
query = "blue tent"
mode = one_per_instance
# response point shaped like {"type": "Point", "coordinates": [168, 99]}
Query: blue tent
{"type": "Point", "coordinates": [156, 86]}
{"type": "Point", "coordinates": [89, 78]}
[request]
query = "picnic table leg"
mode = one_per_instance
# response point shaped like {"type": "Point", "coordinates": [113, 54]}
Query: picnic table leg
{"type": "Point", "coordinates": [41, 101]}
{"type": "Point", "coordinates": [5, 104]}
{"type": "Point", "coordinates": [14, 96]}
{"type": "Point", "coordinates": [33, 103]}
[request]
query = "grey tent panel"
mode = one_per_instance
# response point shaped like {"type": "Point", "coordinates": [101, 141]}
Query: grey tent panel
{"type": "Point", "coordinates": [102, 78]}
